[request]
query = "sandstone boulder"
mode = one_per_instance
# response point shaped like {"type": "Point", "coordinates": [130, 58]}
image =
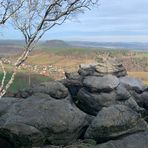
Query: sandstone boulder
{"type": "Point", "coordinates": [113, 122]}
{"type": "Point", "coordinates": [137, 140]}
{"type": "Point", "coordinates": [32, 121]}
{"type": "Point", "coordinates": [132, 83]}
{"type": "Point", "coordinates": [110, 67]}
{"type": "Point", "coordinates": [53, 88]}
{"type": "Point", "coordinates": [91, 103]}
{"type": "Point", "coordinates": [102, 68]}
{"type": "Point", "coordinates": [101, 84]}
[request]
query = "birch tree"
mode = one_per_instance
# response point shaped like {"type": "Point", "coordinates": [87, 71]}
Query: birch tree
{"type": "Point", "coordinates": [36, 17]}
{"type": "Point", "coordinates": [7, 9]}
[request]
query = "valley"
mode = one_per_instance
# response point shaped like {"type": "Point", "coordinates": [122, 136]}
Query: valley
{"type": "Point", "coordinates": [51, 59]}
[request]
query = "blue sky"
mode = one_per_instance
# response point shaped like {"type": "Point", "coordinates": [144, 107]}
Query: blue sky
{"type": "Point", "coordinates": [112, 21]}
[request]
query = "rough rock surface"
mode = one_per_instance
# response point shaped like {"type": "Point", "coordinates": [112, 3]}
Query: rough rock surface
{"type": "Point", "coordinates": [132, 83]}
{"type": "Point", "coordinates": [91, 103]}
{"type": "Point", "coordinates": [99, 102]}
{"type": "Point", "coordinates": [103, 68]}
{"type": "Point", "coordinates": [138, 140]}
{"type": "Point", "coordinates": [33, 121]}
{"type": "Point", "coordinates": [111, 68]}
{"type": "Point", "coordinates": [115, 121]}
{"type": "Point", "coordinates": [144, 100]}
{"type": "Point", "coordinates": [92, 91]}
{"type": "Point", "coordinates": [122, 93]}
{"type": "Point", "coordinates": [54, 89]}
{"type": "Point", "coordinates": [103, 84]}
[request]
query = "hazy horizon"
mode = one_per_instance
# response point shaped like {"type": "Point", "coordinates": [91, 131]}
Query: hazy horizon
{"type": "Point", "coordinates": [66, 40]}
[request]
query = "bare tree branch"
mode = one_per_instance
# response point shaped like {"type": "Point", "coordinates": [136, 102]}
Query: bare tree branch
{"type": "Point", "coordinates": [4, 75]}
{"type": "Point", "coordinates": [8, 8]}
{"type": "Point", "coordinates": [36, 17]}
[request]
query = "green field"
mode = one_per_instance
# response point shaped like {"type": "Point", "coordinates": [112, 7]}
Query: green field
{"type": "Point", "coordinates": [23, 81]}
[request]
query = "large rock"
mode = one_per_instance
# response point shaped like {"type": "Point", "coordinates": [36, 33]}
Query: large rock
{"type": "Point", "coordinates": [73, 82]}
{"type": "Point", "coordinates": [86, 143]}
{"type": "Point", "coordinates": [131, 103]}
{"type": "Point", "coordinates": [101, 84]}
{"type": "Point", "coordinates": [73, 76]}
{"type": "Point", "coordinates": [113, 122]}
{"type": "Point", "coordinates": [32, 121]}
{"type": "Point", "coordinates": [138, 140]}
{"type": "Point", "coordinates": [91, 103]}
{"type": "Point", "coordinates": [111, 67]}
{"type": "Point", "coordinates": [22, 135]}
{"type": "Point", "coordinates": [6, 103]}
{"type": "Point", "coordinates": [24, 93]}
{"type": "Point", "coordinates": [87, 69]}
{"type": "Point", "coordinates": [132, 83]}
{"type": "Point", "coordinates": [122, 93]}
{"type": "Point", "coordinates": [144, 100]}
{"type": "Point", "coordinates": [102, 68]}
{"type": "Point", "coordinates": [53, 88]}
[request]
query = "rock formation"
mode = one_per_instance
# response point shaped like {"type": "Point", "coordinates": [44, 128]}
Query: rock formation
{"type": "Point", "coordinates": [99, 104]}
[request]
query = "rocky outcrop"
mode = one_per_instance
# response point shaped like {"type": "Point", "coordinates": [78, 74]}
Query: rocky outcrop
{"type": "Point", "coordinates": [99, 103]}
{"type": "Point", "coordinates": [74, 80]}
{"type": "Point", "coordinates": [115, 121]}
{"type": "Point", "coordinates": [54, 89]}
{"type": "Point", "coordinates": [101, 84]}
{"type": "Point", "coordinates": [132, 84]}
{"type": "Point", "coordinates": [92, 103]}
{"type": "Point", "coordinates": [103, 68]}
{"type": "Point", "coordinates": [98, 92]}
{"type": "Point", "coordinates": [33, 121]}
{"type": "Point", "coordinates": [138, 140]}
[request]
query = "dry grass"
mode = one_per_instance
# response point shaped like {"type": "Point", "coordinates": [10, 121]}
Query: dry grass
{"type": "Point", "coordinates": [71, 62]}
{"type": "Point", "coordinates": [140, 75]}
{"type": "Point", "coordinates": [65, 62]}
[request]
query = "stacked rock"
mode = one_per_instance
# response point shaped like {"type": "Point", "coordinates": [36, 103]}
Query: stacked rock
{"type": "Point", "coordinates": [99, 102]}
{"type": "Point", "coordinates": [74, 80]}
{"type": "Point", "coordinates": [102, 68]}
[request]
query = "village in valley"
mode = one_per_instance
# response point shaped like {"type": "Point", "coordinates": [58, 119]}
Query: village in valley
{"type": "Point", "coordinates": [45, 70]}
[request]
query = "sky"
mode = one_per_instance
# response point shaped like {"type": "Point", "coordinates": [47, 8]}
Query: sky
{"type": "Point", "coordinates": [111, 21]}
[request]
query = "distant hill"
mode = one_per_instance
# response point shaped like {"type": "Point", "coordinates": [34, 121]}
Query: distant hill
{"type": "Point", "coordinates": [104, 45]}
{"type": "Point", "coordinates": [11, 42]}
{"type": "Point", "coordinates": [56, 44]}
{"type": "Point", "coordinates": [110, 45]}
{"type": "Point", "coordinates": [8, 47]}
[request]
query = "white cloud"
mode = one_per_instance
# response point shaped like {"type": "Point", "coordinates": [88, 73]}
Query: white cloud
{"type": "Point", "coordinates": [113, 20]}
